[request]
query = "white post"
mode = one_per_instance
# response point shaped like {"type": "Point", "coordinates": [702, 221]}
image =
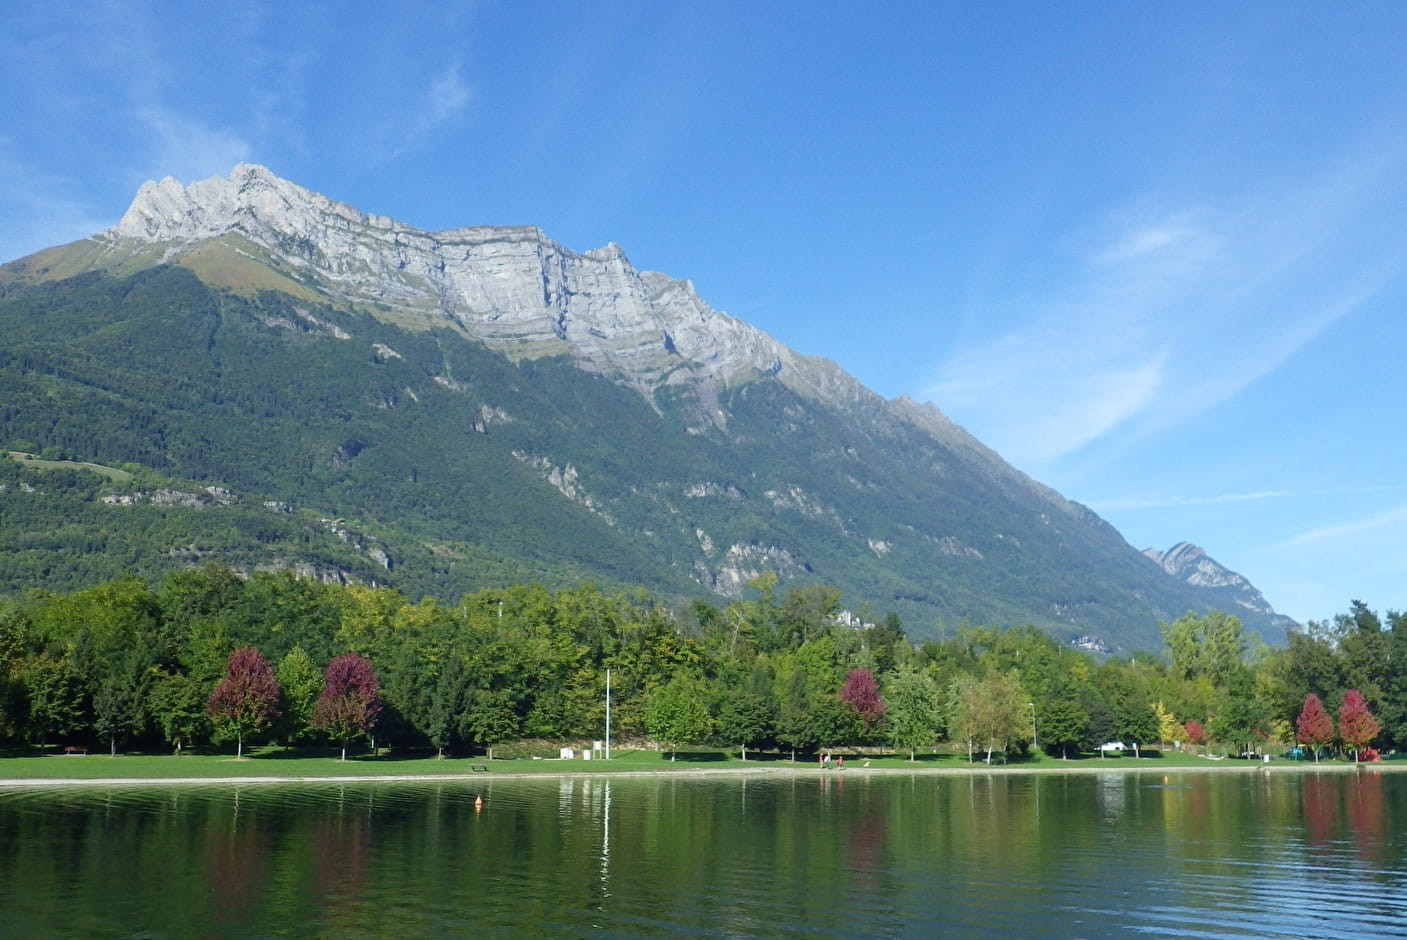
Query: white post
{"type": "Point", "coordinates": [608, 713]}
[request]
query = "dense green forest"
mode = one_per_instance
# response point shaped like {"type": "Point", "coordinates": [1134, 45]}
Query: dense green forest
{"type": "Point", "coordinates": [133, 664]}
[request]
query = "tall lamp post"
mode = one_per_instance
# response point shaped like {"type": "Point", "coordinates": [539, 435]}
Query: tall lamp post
{"type": "Point", "coordinates": [1033, 726]}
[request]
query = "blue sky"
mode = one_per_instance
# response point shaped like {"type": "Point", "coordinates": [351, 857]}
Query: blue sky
{"type": "Point", "coordinates": [1151, 253]}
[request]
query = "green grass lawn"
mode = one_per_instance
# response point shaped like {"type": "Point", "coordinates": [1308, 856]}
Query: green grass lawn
{"type": "Point", "coordinates": [316, 762]}
{"type": "Point", "coordinates": [33, 460]}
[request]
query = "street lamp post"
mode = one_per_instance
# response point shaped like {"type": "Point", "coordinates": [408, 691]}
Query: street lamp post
{"type": "Point", "coordinates": [1033, 726]}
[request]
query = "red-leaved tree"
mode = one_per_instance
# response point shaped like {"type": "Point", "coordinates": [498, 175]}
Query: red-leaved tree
{"type": "Point", "coordinates": [1314, 726]}
{"type": "Point", "coordinates": [350, 700]}
{"type": "Point", "coordinates": [861, 692]}
{"type": "Point", "coordinates": [246, 700]}
{"type": "Point", "coordinates": [1196, 734]}
{"type": "Point", "coordinates": [1357, 726]}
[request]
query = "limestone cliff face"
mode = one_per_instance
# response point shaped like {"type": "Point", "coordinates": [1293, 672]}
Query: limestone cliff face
{"type": "Point", "coordinates": [512, 288]}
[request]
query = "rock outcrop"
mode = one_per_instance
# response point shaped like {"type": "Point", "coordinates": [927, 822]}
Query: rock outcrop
{"type": "Point", "coordinates": [1191, 565]}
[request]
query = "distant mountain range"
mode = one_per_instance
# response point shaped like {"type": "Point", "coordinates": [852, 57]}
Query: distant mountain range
{"type": "Point", "coordinates": [275, 379]}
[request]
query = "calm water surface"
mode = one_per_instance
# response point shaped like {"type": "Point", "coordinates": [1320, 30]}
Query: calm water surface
{"type": "Point", "coordinates": [1191, 855]}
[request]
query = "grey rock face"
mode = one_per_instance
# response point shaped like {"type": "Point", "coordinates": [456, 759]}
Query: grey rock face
{"type": "Point", "coordinates": [1190, 564]}
{"type": "Point", "coordinates": [512, 288]}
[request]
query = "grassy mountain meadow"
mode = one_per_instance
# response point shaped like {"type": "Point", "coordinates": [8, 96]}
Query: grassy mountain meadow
{"type": "Point", "coordinates": [258, 429]}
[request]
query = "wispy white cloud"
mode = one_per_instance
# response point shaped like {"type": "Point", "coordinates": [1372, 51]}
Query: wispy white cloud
{"type": "Point", "coordinates": [1168, 311]}
{"type": "Point", "coordinates": [442, 102]}
{"type": "Point", "coordinates": [446, 98]}
{"type": "Point", "coordinates": [1184, 502]}
{"type": "Point", "coordinates": [188, 149]}
{"type": "Point", "coordinates": [1093, 382]}
{"type": "Point", "coordinates": [1180, 502]}
{"type": "Point", "coordinates": [1391, 522]}
{"type": "Point", "coordinates": [106, 96]}
{"type": "Point", "coordinates": [1165, 242]}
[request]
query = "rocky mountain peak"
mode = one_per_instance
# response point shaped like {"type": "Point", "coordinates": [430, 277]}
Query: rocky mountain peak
{"type": "Point", "coordinates": [252, 197]}
{"type": "Point", "coordinates": [510, 287]}
{"type": "Point", "coordinates": [1190, 564]}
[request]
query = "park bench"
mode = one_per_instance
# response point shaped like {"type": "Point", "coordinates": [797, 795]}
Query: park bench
{"type": "Point", "coordinates": [75, 749]}
{"type": "Point", "coordinates": [479, 768]}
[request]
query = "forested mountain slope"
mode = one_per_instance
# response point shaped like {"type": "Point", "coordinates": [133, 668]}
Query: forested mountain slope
{"type": "Point", "coordinates": [448, 411]}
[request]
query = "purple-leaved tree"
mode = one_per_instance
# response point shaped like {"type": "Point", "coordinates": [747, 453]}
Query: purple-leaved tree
{"type": "Point", "coordinates": [350, 700]}
{"type": "Point", "coordinates": [246, 700]}
{"type": "Point", "coordinates": [861, 693]}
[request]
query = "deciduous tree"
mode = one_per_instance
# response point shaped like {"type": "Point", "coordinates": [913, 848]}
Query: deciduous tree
{"type": "Point", "coordinates": [1064, 724]}
{"type": "Point", "coordinates": [990, 711]}
{"type": "Point", "coordinates": [178, 708]}
{"type": "Point", "coordinates": [116, 711]}
{"type": "Point", "coordinates": [677, 713]}
{"type": "Point", "coordinates": [861, 693]}
{"type": "Point", "coordinates": [1210, 645]}
{"type": "Point", "coordinates": [1169, 728]}
{"type": "Point", "coordinates": [300, 683]}
{"type": "Point", "coordinates": [796, 726]}
{"type": "Point", "coordinates": [492, 718]}
{"type": "Point", "coordinates": [245, 701]}
{"type": "Point", "coordinates": [350, 699]}
{"type": "Point", "coordinates": [914, 717]}
{"type": "Point", "coordinates": [55, 693]}
{"type": "Point", "coordinates": [1357, 726]}
{"type": "Point", "coordinates": [745, 719]}
{"type": "Point", "coordinates": [1196, 734]}
{"type": "Point", "coordinates": [1314, 726]}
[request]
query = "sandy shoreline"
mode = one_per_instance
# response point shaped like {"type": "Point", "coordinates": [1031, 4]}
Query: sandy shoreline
{"type": "Point", "coordinates": [694, 773]}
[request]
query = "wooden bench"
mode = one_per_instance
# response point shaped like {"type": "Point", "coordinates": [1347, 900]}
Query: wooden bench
{"type": "Point", "coordinates": [75, 749]}
{"type": "Point", "coordinates": [479, 768]}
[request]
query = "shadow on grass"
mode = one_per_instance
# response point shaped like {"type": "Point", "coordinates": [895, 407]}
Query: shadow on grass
{"type": "Point", "coordinates": [354, 756]}
{"type": "Point", "coordinates": [58, 750]}
{"type": "Point", "coordinates": [25, 750]}
{"type": "Point", "coordinates": [293, 753]}
{"type": "Point", "coordinates": [696, 757]}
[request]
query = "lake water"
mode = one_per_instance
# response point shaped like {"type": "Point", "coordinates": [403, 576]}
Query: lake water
{"type": "Point", "coordinates": [846, 854]}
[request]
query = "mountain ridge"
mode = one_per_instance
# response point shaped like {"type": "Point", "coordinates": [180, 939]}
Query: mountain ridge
{"type": "Point", "coordinates": [1191, 564]}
